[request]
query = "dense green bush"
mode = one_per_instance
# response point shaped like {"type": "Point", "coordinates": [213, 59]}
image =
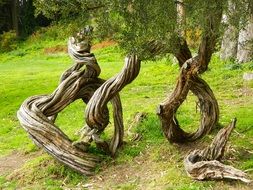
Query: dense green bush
{"type": "Point", "coordinates": [8, 41]}
{"type": "Point", "coordinates": [60, 31]}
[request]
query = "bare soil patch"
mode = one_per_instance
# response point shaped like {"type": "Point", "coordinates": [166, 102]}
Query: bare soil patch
{"type": "Point", "coordinates": [64, 48]}
{"type": "Point", "coordinates": [14, 161]}
{"type": "Point", "coordinates": [56, 49]}
{"type": "Point", "coordinates": [103, 44]}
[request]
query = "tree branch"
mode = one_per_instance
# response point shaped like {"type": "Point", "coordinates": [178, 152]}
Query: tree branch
{"type": "Point", "coordinates": [209, 36]}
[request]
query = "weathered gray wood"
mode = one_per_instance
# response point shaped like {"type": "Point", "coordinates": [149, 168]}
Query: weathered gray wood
{"type": "Point", "coordinates": [38, 113]}
{"type": "Point", "coordinates": [204, 164]}
{"type": "Point", "coordinates": [47, 135]}
{"type": "Point", "coordinates": [95, 110]}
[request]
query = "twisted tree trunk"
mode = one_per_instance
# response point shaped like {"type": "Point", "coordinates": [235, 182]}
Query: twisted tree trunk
{"type": "Point", "coordinates": [189, 80]}
{"type": "Point", "coordinates": [96, 109]}
{"type": "Point", "coordinates": [38, 113]}
{"type": "Point", "coordinates": [33, 116]}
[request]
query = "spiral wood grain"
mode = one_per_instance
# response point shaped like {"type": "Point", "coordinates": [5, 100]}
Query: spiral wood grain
{"type": "Point", "coordinates": [38, 113]}
{"type": "Point", "coordinates": [188, 80]}
{"type": "Point", "coordinates": [95, 110]}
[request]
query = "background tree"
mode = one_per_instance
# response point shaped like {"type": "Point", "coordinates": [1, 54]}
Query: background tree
{"type": "Point", "coordinates": [238, 35]}
{"type": "Point", "coordinates": [19, 16]}
{"type": "Point", "coordinates": [9, 15]}
{"type": "Point", "coordinates": [136, 22]}
{"type": "Point", "coordinates": [245, 42]}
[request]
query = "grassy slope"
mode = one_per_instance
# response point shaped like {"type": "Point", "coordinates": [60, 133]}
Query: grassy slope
{"type": "Point", "coordinates": [151, 163]}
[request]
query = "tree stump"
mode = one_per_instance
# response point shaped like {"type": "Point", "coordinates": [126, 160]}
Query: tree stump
{"type": "Point", "coordinates": [204, 164]}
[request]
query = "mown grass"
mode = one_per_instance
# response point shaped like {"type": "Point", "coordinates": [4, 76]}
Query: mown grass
{"type": "Point", "coordinates": [30, 71]}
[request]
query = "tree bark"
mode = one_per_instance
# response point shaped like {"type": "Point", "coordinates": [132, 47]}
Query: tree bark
{"type": "Point", "coordinates": [33, 116]}
{"type": "Point", "coordinates": [183, 53]}
{"type": "Point", "coordinates": [38, 113]}
{"type": "Point", "coordinates": [95, 111]}
{"type": "Point", "coordinates": [189, 80]}
{"type": "Point", "coordinates": [15, 15]}
{"type": "Point", "coordinates": [181, 19]}
{"type": "Point", "coordinates": [204, 164]}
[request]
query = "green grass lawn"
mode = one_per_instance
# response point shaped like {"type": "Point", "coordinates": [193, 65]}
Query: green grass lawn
{"type": "Point", "coordinates": [152, 162]}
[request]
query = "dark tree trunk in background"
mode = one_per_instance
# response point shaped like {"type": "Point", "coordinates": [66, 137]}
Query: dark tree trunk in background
{"type": "Point", "coordinates": [6, 17]}
{"type": "Point", "coordinates": [10, 16]}
{"type": "Point", "coordinates": [15, 16]}
{"type": "Point", "coordinates": [19, 16]}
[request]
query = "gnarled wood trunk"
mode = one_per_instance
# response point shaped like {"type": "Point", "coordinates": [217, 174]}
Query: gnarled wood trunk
{"type": "Point", "coordinates": [34, 117]}
{"type": "Point", "coordinates": [38, 113]}
{"type": "Point", "coordinates": [204, 164]}
{"type": "Point", "coordinates": [96, 108]}
{"type": "Point", "coordinates": [188, 80]}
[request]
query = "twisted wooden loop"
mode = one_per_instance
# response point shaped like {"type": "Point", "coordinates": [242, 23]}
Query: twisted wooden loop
{"type": "Point", "coordinates": [96, 108]}
{"type": "Point", "coordinates": [188, 80]}
{"type": "Point", "coordinates": [38, 113]}
{"type": "Point", "coordinates": [84, 58]}
{"type": "Point", "coordinates": [33, 116]}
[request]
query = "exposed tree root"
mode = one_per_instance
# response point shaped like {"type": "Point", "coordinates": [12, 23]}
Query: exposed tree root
{"type": "Point", "coordinates": [204, 164]}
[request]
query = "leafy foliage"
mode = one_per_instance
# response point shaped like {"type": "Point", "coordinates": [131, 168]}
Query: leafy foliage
{"type": "Point", "coordinates": [8, 41]}
{"type": "Point", "coordinates": [66, 9]}
{"type": "Point", "coordinates": [143, 21]}
{"type": "Point", "coordinates": [132, 23]}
